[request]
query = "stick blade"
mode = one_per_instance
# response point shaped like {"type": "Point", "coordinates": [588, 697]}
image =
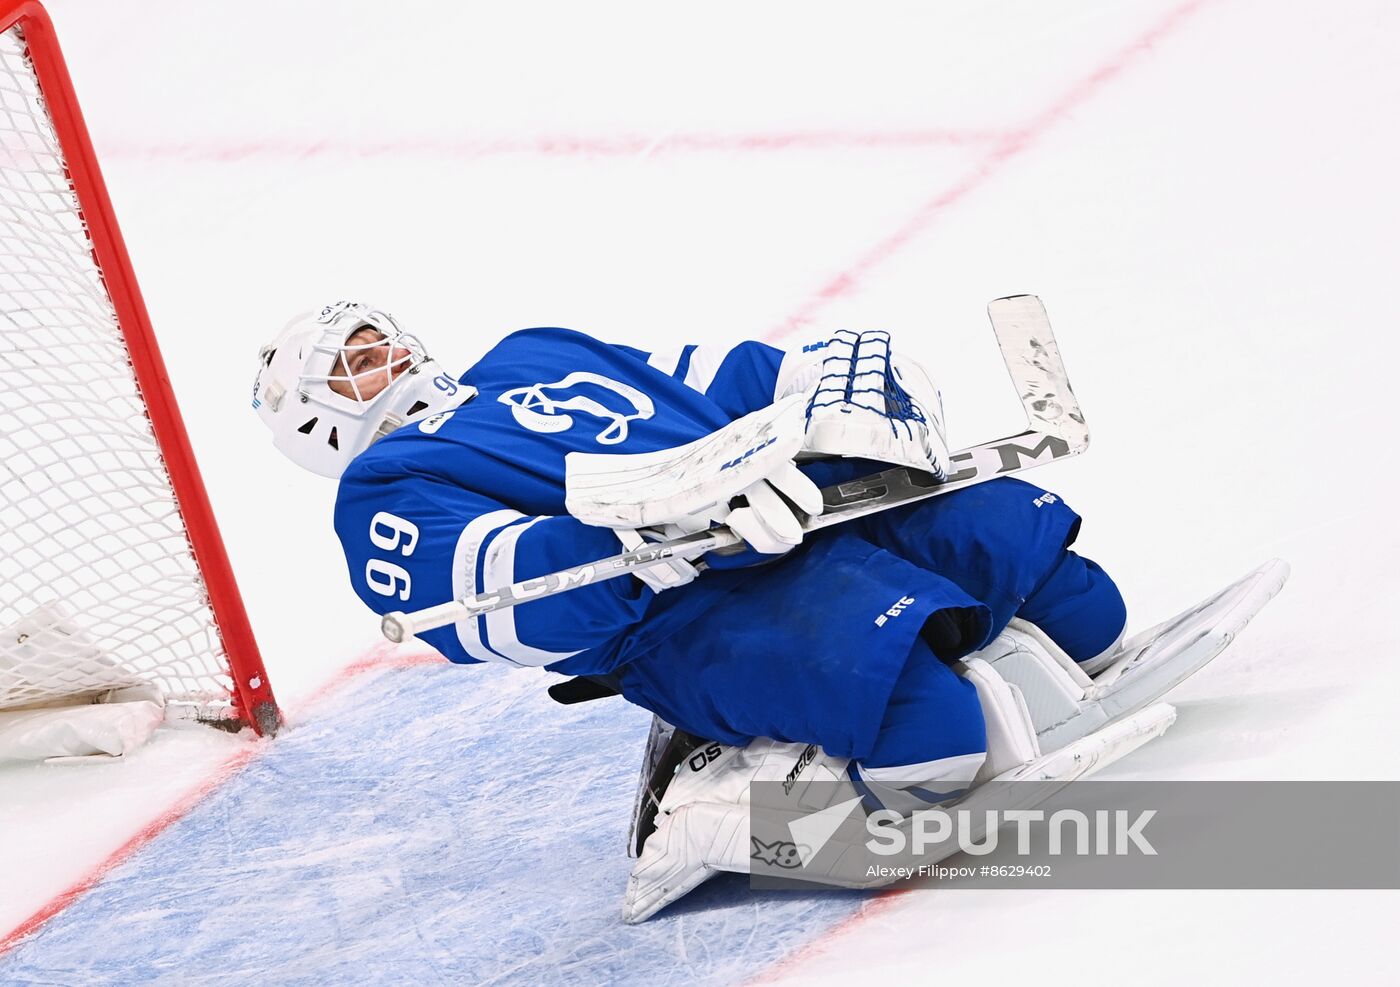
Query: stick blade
{"type": "Point", "coordinates": [1033, 358]}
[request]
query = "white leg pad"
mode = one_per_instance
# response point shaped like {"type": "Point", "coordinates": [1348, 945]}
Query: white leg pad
{"type": "Point", "coordinates": [703, 823]}
{"type": "Point", "coordinates": [1046, 722]}
{"type": "Point", "coordinates": [1056, 692]}
{"type": "Point", "coordinates": [1010, 731]}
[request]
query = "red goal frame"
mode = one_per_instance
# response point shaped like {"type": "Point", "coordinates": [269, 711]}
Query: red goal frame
{"type": "Point", "coordinates": [253, 701]}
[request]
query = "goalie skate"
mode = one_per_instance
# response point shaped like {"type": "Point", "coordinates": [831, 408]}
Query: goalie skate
{"type": "Point", "coordinates": [666, 748]}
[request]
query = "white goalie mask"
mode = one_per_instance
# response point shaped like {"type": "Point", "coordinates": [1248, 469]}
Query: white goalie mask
{"type": "Point", "coordinates": [328, 390]}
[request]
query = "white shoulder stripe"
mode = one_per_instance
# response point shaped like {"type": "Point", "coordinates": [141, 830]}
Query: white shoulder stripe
{"type": "Point", "coordinates": [801, 369]}
{"type": "Point", "coordinates": [464, 561]}
{"type": "Point", "coordinates": [666, 360]}
{"type": "Point", "coordinates": [705, 362]}
{"type": "Point", "coordinates": [498, 571]}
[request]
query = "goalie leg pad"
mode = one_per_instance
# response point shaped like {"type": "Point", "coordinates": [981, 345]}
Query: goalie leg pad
{"type": "Point", "coordinates": [1052, 687]}
{"type": "Point", "coordinates": [1066, 703]}
{"type": "Point", "coordinates": [702, 826]}
{"type": "Point", "coordinates": [1011, 738]}
{"type": "Point", "coordinates": [1025, 664]}
{"type": "Point", "coordinates": [703, 823]}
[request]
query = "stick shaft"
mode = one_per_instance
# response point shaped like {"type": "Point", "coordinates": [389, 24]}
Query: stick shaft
{"type": "Point", "coordinates": [1056, 430]}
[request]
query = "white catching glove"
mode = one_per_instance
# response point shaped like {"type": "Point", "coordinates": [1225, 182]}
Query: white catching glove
{"type": "Point", "coordinates": [699, 483]}
{"type": "Point", "coordinates": [868, 402]}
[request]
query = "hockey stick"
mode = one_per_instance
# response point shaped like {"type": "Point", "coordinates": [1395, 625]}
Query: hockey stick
{"type": "Point", "coordinates": [1055, 429]}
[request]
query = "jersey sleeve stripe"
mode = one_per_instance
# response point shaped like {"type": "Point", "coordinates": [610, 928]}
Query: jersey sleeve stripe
{"type": "Point", "coordinates": [696, 366]}
{"type": "Point", "coordinates": [665, 361]}
{"type": "Point", "coordinates": [499, 570]}
{"type": "Point", "coordinates": [704, 364]}
{"type": "Point", "coordinates": [683, 364]}
{"type": "Point", "coordinates": [467, 567]}
{"type": "Point", "coordinates": [800, 369]}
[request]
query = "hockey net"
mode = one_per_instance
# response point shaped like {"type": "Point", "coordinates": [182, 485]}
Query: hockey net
{"type": "Point", "coordinates": [112, 572]}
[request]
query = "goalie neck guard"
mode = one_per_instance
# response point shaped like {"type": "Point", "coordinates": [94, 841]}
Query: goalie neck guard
{"type": "Point", "coordinates": [328, 397]}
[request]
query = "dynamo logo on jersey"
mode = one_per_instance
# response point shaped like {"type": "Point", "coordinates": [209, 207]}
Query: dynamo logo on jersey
{"type": "Point", "coordinates": [545, 407]}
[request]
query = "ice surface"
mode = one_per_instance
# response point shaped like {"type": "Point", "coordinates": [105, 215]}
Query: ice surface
{"type": "Point", "coordinates": [1203, 194]}
{"type": "Point", "coordinates": [447, 847]}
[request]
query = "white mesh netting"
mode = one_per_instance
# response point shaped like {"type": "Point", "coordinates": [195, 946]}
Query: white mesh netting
{"type": "Point", "coordinates": [98, 585]}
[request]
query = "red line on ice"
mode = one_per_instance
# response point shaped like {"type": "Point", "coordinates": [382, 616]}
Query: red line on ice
{"type": "Point", "coordinates": [151, 830]}
{"type": "Point", "coordinates": [1015, 142]}
{"type": "Point", "coordinates": [1009, 146]}
{"type": "Point", "coordinates": [878, 904]}
{"type": "Point", "coordinates": [560, 145]}
{"type": "Point", "coordinates": [384, 656]}
{"type": "Point", "coordinates": [1004, 148]}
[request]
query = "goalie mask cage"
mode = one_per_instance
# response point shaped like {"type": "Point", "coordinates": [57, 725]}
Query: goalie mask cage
{"type": "Point", "coordinates": [112, 569]}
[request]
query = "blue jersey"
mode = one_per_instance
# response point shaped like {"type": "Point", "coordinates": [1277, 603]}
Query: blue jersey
{"type": "Point", "coordinates": [807, 647]}
{"type": "Point", "coordinates": [473, 499]}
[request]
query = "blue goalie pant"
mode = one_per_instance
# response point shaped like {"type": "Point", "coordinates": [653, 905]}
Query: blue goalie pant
{"type": "Point", "coordinates": [845, 642]}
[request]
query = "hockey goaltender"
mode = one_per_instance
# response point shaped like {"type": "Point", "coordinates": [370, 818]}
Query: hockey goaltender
{"type": "Point", "coordinates": [910, 654]}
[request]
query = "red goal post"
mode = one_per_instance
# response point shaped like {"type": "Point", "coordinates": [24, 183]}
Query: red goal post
{"type": "Point", "coordinates": [110, 556]}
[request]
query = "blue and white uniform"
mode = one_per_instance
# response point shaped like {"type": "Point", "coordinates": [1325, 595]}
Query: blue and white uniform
{"type": "Point", "coordinates": [793, 649]}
